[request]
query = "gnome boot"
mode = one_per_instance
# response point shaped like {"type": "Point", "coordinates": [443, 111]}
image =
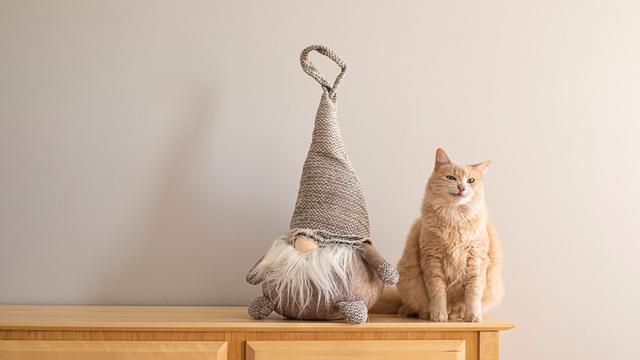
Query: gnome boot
{"type": "Point", "coordinates": [354, 312]}
{"type": "Point", "coordinates": [261, 307]}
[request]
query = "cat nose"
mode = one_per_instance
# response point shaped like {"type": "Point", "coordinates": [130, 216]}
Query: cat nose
{"type": "Point", "coordinates": [461, 188]}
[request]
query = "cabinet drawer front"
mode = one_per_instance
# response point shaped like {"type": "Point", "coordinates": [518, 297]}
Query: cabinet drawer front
{"type": "Point", "coordinates": [120, 350]}
{"type": "Point", "coordinates": [362, 349]}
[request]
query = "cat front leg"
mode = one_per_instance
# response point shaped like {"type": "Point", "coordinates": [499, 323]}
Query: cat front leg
{"type": "Point", "coordinates": [473, 289]}
{"type": "Point", "coordinates": [436, 285]}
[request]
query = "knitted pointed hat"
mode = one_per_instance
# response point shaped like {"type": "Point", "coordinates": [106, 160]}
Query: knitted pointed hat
{"type": "Point", "coordinates": [330, 205]}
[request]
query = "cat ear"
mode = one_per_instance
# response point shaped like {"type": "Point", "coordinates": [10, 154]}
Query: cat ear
{"type": "Point", "coordinates": [441, 158]}
{"type": "Point", "coordinates": [482, 166]}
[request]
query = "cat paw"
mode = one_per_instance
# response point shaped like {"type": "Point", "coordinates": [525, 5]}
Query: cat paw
{"type": "Point", "coordinates": [439, 316]}
{"type": "Point", "coordinates": [388, 274]}
{"type": "Point", "coordinates": [473, 316]}
{"type": "Point", "coordinates": [456, 312]}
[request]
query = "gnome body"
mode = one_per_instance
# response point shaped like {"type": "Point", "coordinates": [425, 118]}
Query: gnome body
{"type": "Point", "coordinates": [325, 266]}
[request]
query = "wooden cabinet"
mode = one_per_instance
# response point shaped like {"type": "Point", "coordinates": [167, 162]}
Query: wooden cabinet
{"type": "Point", "coordinates": [108, 350]}
{"type": "Point", "coordinates": [359, 349]}
{"type": "Point", "coordinates": [180, 333]}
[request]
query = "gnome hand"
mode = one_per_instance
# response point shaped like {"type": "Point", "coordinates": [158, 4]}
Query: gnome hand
{"type": "Point", "coordinates": [386, 272]}
{"type": "Point", "coordinates": [252, 276]}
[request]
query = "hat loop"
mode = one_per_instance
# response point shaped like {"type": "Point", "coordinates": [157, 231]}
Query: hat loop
{"type": "Point", "coordinates": [310, 68]}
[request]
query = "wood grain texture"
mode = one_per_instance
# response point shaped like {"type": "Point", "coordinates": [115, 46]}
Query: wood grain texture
{"type": "Point", "coordinates": [489, 342]}
{"type": "Point", "coordinates": [171, 318]}
{"type": "Point", "coordinates": [113, 350]}
{"type": "Point", "coordinates": [236, 340]}
{"type": "Point", "coordinates": [119, 335]}
{"type": "Point", "coordinates": [353, 349]}
{"type": "Point", "coordinates": [98, 324]}
{"type": "Point", "coordinates": [470, 338]}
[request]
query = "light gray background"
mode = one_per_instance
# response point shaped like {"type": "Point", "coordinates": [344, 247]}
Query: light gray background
{"type": "Point", "coordinates": [150, 151]}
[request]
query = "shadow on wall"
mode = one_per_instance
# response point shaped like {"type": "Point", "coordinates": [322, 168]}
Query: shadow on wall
{"type": "Point", "coordinates": [192, 242]}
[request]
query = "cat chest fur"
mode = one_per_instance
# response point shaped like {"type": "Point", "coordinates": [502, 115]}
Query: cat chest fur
{"type": "Point", "coordinates": [455, 245]}
{"type": "Point", "coordinates": [455, 249]}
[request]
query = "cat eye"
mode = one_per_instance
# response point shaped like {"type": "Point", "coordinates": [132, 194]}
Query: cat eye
{"type": "Point", "coordinates": [451, 177]}
{"type": "Point", "coordinates": [471, 180]}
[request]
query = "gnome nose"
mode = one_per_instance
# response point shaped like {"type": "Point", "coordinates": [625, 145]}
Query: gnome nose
{"type": "Point", "coordinates": [304, 244]}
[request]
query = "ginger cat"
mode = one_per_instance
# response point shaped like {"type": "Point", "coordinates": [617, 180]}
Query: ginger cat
{"type": "Point", "coordinates": [451, 264]}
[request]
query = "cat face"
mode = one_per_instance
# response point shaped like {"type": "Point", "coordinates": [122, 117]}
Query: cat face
{"type": "Point", "coordinates": [456, 184]}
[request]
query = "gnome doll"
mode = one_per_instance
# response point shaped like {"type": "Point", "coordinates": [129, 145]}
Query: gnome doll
{"type": "Point", "coordinates": [325, 267]}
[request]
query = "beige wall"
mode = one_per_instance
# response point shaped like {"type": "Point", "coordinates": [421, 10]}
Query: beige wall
{"type": "Point", "coordinates": [150, 151]}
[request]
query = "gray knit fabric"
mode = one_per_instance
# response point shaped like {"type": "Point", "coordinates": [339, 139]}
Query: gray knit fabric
{"type": "Point", "coordinates": [260, 308]}
{"type": "Point", "coordinates": [330, 199]}
{"type": "Point", "coordinates": [252, 278]}
{"type": "Point", "coordinates": [354, 312]}
{"type": "Point", "coordinates": [388, 274]}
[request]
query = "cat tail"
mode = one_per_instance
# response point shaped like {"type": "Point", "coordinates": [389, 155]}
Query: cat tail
{"type": "Point", "coordinates": [494, 289]}
{"type": "Point", "coordinates": [388, 303]}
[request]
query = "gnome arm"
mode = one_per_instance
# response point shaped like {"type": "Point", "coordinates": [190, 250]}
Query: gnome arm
{"type": "Point", "coordinates": [387, 273]}
{"type": "Point", "coordinates": [252, 277]}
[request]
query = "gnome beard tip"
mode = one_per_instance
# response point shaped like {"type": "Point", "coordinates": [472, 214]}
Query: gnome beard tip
{"type": "Point", "coordinates": [325, 267]}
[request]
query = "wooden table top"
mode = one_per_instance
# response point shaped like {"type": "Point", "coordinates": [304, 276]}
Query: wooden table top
{"type": "Point", "coordinates": [201, 318]}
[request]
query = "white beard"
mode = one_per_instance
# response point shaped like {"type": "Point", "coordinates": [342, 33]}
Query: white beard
{"type": "Point", "coordinates": [297, 276]}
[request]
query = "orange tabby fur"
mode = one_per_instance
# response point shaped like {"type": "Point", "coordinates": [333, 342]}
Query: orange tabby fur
{"type": "Point", "coordinates": [451, 264]}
